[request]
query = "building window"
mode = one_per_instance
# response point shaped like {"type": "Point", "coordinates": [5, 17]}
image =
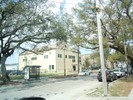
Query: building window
{"type": "Point", "coordinates": [65, 56]}
{"type": "Point", "coordinates": [34, 58]}
{"type": "Point", "coordinates": [52, 66]}
{"type": "Point", "coordinates": [71, 57]}
{"type": "Point", "coordinates": [45, 56]}
{"type": "Point", "coordinates": [59, 55]}
{"type": "Point", "coordinates": [49, 67]}
{"type": "Point", "coordinates": [24, 60]}
{"type": "Point", "coordinates": [74, 68]}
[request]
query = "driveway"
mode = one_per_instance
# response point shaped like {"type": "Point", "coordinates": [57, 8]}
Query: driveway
{"type": "Point", "coordinates": [51, 89]}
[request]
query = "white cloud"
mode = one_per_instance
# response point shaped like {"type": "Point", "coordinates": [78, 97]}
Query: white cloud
{"type": "Point", "coordinates": [67, 6]}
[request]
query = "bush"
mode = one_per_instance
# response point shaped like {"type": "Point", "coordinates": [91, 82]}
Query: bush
{"type": "Point", "coordinates": [16, 77]}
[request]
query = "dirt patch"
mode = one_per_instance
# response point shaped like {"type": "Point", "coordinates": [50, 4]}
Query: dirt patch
{"type": "Point", "coordinates": [10, 83]}
{"type": "Point", "coordinates": [120, 87]}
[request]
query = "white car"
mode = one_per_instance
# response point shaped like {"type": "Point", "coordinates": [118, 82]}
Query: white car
{"type": "Point", "coordinates": [119, 72]}
{"type": "Point", "coordinates": [84, 72]}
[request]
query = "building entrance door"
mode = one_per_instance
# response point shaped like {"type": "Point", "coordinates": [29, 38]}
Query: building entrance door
{"type": "Point", "coordinates": [74, 68]}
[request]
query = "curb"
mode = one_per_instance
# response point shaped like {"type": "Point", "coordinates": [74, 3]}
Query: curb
{"type": "Point", "coordinates": [131, 94]}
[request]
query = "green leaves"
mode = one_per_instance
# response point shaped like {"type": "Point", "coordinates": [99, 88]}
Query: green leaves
{"type": "Point", "coordinates": [115, 57]}
{"type": "Point", "coordinates": [21, 23]}
{"type": "Point", "coordinates": [117, 26]}
{"type": "Point", "coordinates": [86, 63]}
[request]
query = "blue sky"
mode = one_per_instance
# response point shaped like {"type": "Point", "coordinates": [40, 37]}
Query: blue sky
{"type": "Point", "coordinates": [13, 58]}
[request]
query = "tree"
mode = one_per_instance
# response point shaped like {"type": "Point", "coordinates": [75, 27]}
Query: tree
{"type": "Point", "coordinates": [117, 25]}
{"type": "Point", "coordinates": [61, 32]}
{"type": "Point", "coordinates": [86, 63]}
{"type": "Point", "coordinates": [75, 40]}
{"type": "Point", "coordinates": [23, 25]}
{"type": "Point", "coordinates": [115, 57]}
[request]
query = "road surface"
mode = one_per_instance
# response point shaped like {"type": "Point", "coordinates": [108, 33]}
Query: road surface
{"type": "Point", "coordinates": [51, 89]}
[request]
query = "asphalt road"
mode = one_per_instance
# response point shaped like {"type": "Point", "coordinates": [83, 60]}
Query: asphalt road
{"type": "Point", "coordinates": [51, 89]}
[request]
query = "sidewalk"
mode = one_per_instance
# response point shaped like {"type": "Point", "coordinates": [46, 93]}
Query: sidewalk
{"type": "Point", "coordinates": [129, 97]}
{"type": "Point", "coordinates": [85, 97]}
{"type": "Point", "coordinates": [105, 98]}
{"type": "Point", "coordinates": [131, 94]}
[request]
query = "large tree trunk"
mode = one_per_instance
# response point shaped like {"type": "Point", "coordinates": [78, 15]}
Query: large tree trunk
{"type": "Point", "coordinates": [131, 66]}
{"type": "Point", "coordinates": [5, 77]}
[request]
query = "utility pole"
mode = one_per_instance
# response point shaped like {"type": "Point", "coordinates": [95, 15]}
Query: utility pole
{"type": "Point", "coordinates": [105, 85]}
{"type": "Point", "coordinates": [126, 60]}
{"type": "Point", "coordinates": [63, 47]}
{"type": "Point", "coordinates": [125, 50]}
{"type": "Point", "coordinates": [64, 63]}
{"type": "Point", "coordinates": [78, 60]}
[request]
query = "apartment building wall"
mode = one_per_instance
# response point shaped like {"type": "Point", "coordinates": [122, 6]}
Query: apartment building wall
{"type": "Point", "coordinates": [51, 60]}
{"type": "Point", "coordinates": [30, 59]}
{"type": "Point", "coordinates": [71, 60]}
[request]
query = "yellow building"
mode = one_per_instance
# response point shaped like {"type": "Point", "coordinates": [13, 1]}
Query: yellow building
{"type": "Point", "coordinates": [51, 59]}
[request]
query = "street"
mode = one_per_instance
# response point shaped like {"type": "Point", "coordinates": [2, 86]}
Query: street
{"type": "Point", "coordinates": [71, 88]}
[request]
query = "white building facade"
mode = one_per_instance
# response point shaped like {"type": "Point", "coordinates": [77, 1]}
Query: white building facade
{"type": "Point", "coordinates": [52, 60]}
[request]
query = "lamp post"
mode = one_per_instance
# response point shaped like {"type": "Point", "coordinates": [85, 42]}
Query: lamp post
{"type": "Point", "coordinates": [105, 85]}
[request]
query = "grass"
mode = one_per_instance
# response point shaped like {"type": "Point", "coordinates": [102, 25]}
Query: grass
{"type": "Point", "coordinates": [58, 75]}
{"type": "Point", "coordinates": [52, 75]}
{"type": "Point", "coordinates": [16, 77]}
{"type": "Point", "coordinates": [120, 87]}
{"type": "Point", "coordinates": [47, 75]}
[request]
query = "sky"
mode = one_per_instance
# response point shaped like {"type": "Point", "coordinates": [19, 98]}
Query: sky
{"type": "Point", "coordinates": [67, 4]}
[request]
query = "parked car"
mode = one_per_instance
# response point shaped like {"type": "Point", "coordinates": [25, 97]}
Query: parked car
{"type": "Point", "coordinates": [110, 75]}
{"type": "Point", "coordinates": [8, 71]}
{"type": "Point", "coordinates": [84, 73]}
{"type": "Point", "coordinates": [16, 72]}
{"type": "Point", "coordinates": [119, 72]}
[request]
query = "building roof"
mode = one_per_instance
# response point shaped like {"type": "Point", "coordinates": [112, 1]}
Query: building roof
{"type": "Point", "coordinates": [40, 50]}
